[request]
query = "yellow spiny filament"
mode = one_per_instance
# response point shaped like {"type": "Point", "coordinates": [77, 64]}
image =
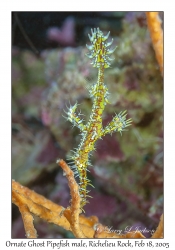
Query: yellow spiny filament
{"type": "Point", "coordinates": [93, 130]}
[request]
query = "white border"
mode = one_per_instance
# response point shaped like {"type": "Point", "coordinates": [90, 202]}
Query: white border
{"type": "Point", "coordinates": [5, 94]}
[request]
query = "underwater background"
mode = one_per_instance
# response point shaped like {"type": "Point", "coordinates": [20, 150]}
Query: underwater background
{"type": "Point", "coordinates": [50, 71]}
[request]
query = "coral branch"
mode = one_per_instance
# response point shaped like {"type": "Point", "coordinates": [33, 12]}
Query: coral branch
{"type": "Point", "coordinates": [159, 231]}
{"type": "Point", "coordinates": [26, 200]}
{"type": "Point", "coordinates": [26, 216]}
{"type": "Point", "coordinates": [75, 202]}
{"type": "Point", "coordinates": [154, 25]}
{"type": "Point", "coordinates": [47, 210]}
{"type": "Point", "coordinates": [99, 228]}
{"type": "Point", "coordinates": [41, 211]}
{"type": "Point", "coordinates": [37, 198]}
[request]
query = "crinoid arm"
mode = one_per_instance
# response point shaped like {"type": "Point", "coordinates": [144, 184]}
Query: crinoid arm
{"type": "Point", "coordinates": [118, 123]}
{"type": "Point", "coordinates": [74, 118]}
{"type": "Point", "coordinates": [99, 51]}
